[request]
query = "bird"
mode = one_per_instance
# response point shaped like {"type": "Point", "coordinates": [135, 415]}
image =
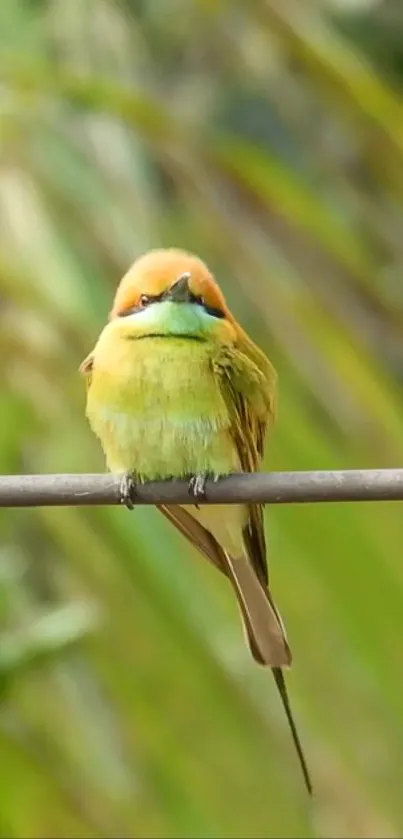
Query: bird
{"type": "Point", "coordinates": [176, 388]}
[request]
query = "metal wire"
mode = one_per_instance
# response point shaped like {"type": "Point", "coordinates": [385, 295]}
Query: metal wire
{"type": "Point", "coordinates": [270, 488]}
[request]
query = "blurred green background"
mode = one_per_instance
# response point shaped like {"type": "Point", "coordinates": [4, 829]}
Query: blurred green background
{"type": "Point", "coordinates": [268, 138]}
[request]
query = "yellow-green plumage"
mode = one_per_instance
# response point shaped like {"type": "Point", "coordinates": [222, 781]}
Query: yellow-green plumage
{"type": "Point", "coordinates": [154, 422]}
{"type": "Point", "coordinates": [159, 409]}
{"type": "Point", "coordinates": [177, 389]}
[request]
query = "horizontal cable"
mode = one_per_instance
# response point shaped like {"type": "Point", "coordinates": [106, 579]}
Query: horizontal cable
{"type": "Point", "coordinates": [269, 487]}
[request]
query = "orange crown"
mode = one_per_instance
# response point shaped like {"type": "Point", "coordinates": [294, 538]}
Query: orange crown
{"type": "Point", "coordinates": [156, 271]}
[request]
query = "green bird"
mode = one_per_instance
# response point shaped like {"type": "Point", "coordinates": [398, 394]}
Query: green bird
{"type": "Point", "coordinates": [176, 388]}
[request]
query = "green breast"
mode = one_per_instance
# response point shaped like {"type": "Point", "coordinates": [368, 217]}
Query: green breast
{"type": "Point", "coordinates": [160, 411]}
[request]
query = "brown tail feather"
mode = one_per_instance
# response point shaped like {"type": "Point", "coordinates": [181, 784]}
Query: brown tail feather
{"type": "Point", "coordinates": [265, 632]}
{"type": "Point", "coordinates": [268, 644]}
{"type": "Point", "coordinates": [282, 689]}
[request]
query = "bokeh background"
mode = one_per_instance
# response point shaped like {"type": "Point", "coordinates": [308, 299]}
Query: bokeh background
{"type": "Point", "coordinates": [268, 138]}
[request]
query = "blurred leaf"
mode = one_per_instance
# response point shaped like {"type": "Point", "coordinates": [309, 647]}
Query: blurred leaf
{"type": "Point", "coordinates": [260, 137]}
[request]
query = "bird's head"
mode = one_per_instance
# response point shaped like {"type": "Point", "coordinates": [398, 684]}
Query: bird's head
{"type": "Point", "coordinates": [171, 293]}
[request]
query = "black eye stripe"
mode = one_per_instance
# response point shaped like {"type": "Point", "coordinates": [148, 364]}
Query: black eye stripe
{"type": "Point", "coordinates": [215, 313]}
{"type": "Point", "coordinates": [211, 310]}
{"type": "Point", "coordinates": [147, 300]}
{"type": "Point", "coordinates": [132, 311]}
{"type": "Point", "coordinates": [198, 301]}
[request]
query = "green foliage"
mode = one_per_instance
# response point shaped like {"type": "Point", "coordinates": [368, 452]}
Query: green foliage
{"type": "Point", "coordinates": [258, 136]}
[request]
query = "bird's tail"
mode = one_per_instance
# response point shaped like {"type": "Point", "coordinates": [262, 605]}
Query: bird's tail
{"type": "Point", "coordinates": [263, 625]}
{"type": "Point", "coordinates": [282, 689]}
{"type": "Point", "coordinates": [266, 636]}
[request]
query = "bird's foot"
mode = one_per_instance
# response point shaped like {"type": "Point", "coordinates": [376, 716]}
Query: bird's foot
{"type": "Point", "coordinates": [197, 487]}
{"type": "Point", "coordinates": [128, 490]}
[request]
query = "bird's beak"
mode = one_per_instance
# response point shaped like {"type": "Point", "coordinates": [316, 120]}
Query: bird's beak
{"type": "Point", "coordinates": [179, 291]}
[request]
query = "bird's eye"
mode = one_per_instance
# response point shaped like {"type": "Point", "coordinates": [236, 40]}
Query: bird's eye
{"type": "Point", "coordinates": [144, 300]}
{"type": "Point", "coordinates": [198, 300]}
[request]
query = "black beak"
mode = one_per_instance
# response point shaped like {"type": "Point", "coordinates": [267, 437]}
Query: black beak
{"type": "Point", "coordinates": [180, 291]}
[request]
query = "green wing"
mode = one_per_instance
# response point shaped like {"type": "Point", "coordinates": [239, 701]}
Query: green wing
{"type": "Point", "coordinates": [86, 368]}
{"type": "Point", "coordinates": [248, 383]}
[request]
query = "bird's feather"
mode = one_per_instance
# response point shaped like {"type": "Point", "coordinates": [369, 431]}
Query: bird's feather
{"type": "Point", "coordinates": [86, 368]}
{"type": "Point", "coordinates": [250, 395]}
{"type": "Point", "coordinates": [201, 539]}
{"type": "Point", "coordinates": [263, 626]}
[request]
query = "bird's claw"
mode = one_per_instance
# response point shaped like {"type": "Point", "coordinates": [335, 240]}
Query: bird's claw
{"type": "Point", "coordinates": [127, 490]}
{"type": "Point", "coordinates": [197, 487]}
